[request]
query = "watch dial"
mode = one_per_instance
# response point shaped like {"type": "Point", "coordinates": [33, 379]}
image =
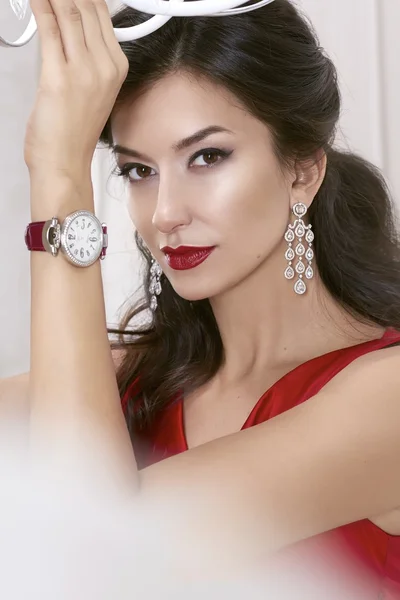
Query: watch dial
{"type": "Point", "coordinates": [83, 238]}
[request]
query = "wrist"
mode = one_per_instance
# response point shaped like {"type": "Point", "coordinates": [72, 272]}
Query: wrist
{"type": "Point", "coordinates": [59, 196]}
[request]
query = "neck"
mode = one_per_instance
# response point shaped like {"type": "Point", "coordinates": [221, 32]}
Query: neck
{"type": "Point", "coordinates": [264, 324]}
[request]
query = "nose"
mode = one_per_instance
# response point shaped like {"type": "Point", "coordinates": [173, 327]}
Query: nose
{"type": "Point", "coordinates": [172, 209]}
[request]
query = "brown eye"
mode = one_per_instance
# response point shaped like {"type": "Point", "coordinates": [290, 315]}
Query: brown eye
{"type": "Point", "coordinates": [209, 157]}
{"type": "Point", "coordinates": [143, 172]}
{"type": "Point", "coordinates": [134, 173]}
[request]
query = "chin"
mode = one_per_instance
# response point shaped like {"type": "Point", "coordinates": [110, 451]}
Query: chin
{"type": "Point", "coordinates": [196, 292]}
{"type": "Point", "coordinates": [192, 295]}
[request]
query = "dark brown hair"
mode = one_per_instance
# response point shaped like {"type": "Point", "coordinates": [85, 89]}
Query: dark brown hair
{"type": "Point", "coordinates": [270, 59]}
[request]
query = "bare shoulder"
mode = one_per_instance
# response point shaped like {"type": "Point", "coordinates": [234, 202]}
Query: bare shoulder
{"type": "Point", "coordinates": [378, 357]}
{"type": "Point", "coordinates": [379, 369]}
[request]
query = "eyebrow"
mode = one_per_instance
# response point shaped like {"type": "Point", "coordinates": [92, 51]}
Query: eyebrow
{"type": "Point", "coordinates": [177, 147]}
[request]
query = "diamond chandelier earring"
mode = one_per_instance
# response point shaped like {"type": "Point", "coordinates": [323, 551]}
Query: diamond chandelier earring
{"type": "Point", "coordinates": [155, 288]}
{"type": "Point", "coordinates": [300, 230]}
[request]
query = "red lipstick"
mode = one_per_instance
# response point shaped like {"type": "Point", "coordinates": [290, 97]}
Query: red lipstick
{"type": "Point", "coordinates": [186, 257]}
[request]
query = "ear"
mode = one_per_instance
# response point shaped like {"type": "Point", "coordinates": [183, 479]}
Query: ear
{"type": "Point", "coordinates": [309, 177]}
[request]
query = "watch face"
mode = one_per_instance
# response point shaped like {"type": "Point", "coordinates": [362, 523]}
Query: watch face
{"type": "Point", "coordinates": [82, 238]}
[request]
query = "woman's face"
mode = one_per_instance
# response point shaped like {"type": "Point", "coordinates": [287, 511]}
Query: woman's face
{"type": "Point", "coordinates": [223, 198]}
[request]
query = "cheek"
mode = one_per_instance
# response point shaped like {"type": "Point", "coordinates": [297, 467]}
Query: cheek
{"type": "Point", "coordinates": [141, 216]}
{"type": "Point", "coordinates": [253, 202]}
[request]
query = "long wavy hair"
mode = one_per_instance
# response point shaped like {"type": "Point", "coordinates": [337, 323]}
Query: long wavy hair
{"type": "Point", "coordinates": [271, 60]}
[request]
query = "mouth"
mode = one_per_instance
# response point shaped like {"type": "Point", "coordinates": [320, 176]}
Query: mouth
{"type": "Point", "coordinates": [186, 257]}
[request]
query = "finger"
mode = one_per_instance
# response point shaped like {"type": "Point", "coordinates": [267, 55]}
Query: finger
{"type": "Point", "coordinates": [118, 57]}
{"type": "Point", "coordinates": [92, 31]}
{"type": "Point", "coordinates": [51, 46]}
{"type": "Point", "coordinates": [70, 23]}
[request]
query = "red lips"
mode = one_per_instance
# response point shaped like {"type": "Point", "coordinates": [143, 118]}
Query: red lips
{"type": "Point", "coordinates": [186, 257]}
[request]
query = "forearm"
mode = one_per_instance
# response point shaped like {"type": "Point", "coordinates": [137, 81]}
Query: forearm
{"type": "Point", "coordinates": [73, 391]}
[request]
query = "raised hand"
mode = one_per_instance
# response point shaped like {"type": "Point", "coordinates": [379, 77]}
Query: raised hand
{"type": "Point", "coordinates": [83, 68]}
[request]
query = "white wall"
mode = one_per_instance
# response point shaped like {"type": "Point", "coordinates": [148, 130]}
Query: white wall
{"type": "Point", "coordinates": [361, 36]}
{"type": "Point", "coordinates": [18, 76]}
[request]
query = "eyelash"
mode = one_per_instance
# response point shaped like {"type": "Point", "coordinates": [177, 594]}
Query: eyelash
{"type": "Point", "coordinates": [126, 169]}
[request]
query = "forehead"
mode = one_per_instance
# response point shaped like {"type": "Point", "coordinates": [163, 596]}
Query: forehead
{"type": "Point", "coordinates": [179, 104]}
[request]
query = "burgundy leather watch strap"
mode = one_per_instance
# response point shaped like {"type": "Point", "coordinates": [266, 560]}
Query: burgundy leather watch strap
{"type": "Point", "coordinates": [33, 236]}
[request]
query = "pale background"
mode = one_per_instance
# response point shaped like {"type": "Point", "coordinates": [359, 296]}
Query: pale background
{"type": "Point", "coordinates": [361, 36]}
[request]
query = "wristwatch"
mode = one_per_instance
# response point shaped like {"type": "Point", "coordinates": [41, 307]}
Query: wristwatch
{"type": "Point", "coordinates": [81, 237]}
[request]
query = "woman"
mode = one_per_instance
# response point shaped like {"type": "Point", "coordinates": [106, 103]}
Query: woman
{"type": "Point", "coordinates": [267, 379]}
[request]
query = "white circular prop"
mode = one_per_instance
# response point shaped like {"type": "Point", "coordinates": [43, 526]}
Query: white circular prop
{"type": "Point", "coordinates": [163, 11]}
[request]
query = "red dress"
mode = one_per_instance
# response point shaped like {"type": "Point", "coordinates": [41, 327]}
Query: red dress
{"type": "Point", "coordinates": [370, 545]}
